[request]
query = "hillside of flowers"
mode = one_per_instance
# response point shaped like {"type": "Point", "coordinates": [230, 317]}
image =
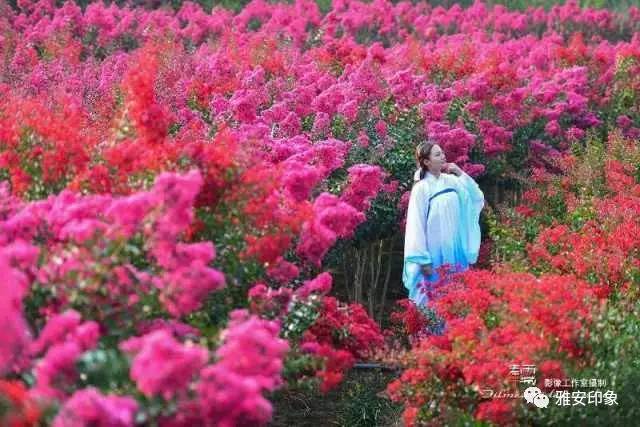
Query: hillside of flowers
{"type": "Point", "coordinates": [174, 182]}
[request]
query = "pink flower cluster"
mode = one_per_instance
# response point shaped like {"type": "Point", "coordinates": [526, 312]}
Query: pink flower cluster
{"type": "Point", "coordinates": [80, 231]}
{"type": "Point", "coordinates": [333, 219]}
{"type": "Point", "coordinates": [64, 339]}
{"type": "Point", "coordinates": [15, 338]}
{"type": "Point", "coordinates": [365, 181]}
{"type": "Point", "coordinates": [90, 407]}
{"type": "Point", "coordinates": [249, 363]}
{"type": "Point", "coordinates": [162, 366]}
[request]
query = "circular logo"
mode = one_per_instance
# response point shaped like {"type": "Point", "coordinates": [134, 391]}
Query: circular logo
{"type": "Point", "coordinates": [535, 396]}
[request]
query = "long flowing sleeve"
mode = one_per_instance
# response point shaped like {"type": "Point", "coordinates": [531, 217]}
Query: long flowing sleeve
{"type": "Point", "coordinates": [415, 240]}
{"type": "Point", "coordinates": [471, 203]}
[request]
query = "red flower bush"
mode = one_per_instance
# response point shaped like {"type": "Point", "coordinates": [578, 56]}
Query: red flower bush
{"type": "Point", "coordinates": [345, 326]}
{"type": "Point", "coordinates": [409, 318]}
{"type": "Point", "coordinates": [603, 245]}
{"type": "Point", "coordinates": [492, 321]}
{"type": "Point", "coordinates": [20, 409]}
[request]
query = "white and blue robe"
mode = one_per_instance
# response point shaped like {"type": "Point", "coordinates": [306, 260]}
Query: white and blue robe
{"type": "Point", "coordinates": [442, 228]}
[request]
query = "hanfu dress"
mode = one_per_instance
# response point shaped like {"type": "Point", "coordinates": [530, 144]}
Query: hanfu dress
{"type": "Point", "coordinates": [442, 228]}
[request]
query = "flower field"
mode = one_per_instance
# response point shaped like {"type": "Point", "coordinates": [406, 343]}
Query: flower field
{"type": "Point", "coordinates": [176, 185]}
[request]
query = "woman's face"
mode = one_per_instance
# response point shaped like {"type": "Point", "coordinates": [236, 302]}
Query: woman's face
{"type": "Point", "coordinates": [437, 158]}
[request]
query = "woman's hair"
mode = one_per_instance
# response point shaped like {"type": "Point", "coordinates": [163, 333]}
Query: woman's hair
{"type": "Point", "coordinates": [423, 151]}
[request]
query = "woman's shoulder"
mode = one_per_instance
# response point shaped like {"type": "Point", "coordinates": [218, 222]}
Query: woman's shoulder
{"type": "Point", "coordinates": [421, 185]}
{"type": "Point", "coordinates": [419, 182]}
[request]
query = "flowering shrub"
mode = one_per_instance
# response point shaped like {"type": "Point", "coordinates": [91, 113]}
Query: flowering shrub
{"type": "Point", "coordinates": [334, 334]}
{"type": "Point", "coordinates": [493, 321]}
{"type": "Point", "coordinates": [117, 81]}
{"type": "Point", "coordinates": [117, 251]}
{"type": "Point", "coordinates": [594, 237]}
{"type": "Point", "coordinates": [18, 408]}
{"type": "Point", "coordinates": [124, 254]}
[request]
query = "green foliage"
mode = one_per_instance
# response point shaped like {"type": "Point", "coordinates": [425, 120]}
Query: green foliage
{"type": "Point", "coordinates": [324, 6]}
{"type": "Point", "coordinates": [229, 238]}
{"type": "Point", "coordinates": [491, 320]}
{"type": "Point", "coordinates": [579, 216]}
{"type": "Point", "coordinates": [37, 297]}
{"type": "Point", "coordinates": [214, 314]}
{"type": "Point", "coordinates": [363, 405]}
{"type": "Point", "coordinates": [625, 96]}
{"type": "Point", "coordinates": [382, 220]}
{"type": "Point", "coordinates": [548, 4]}
{"type": "Point", "coordinates": [457, 110]}
{"type": "Point", "coordinates": [254, 24]}
{"type": "Point", "coordinates": [340, 128]}
{"type": "Point", "coordinates": [31, 143]}
{"type": "Point", "coordinates": [508, 240]}
{"type": "Point", "coordinates": [359, 401]}
{"type": "Point", "coordinates": [520, 142]}
{"type": "Point", "coordinates": [366, 35]}
{"type": "Point", "coordinates": [307, 122]}
{"type": "Point", "coordinates": [203, 110]}
{"type": "Point", "coordinates": [106, 369]}
{"type": "Point", "coordinates": [405, 132]}
{"type": "Point", "coordinates": [301, 316]}
{"type": "Point", "coordinates": [299, 373]}
{"type": "Point", "coordinates": [588, 177]}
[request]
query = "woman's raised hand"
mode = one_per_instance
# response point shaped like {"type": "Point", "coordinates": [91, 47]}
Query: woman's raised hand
{"type": "Point", "coordinates": [453, 168]}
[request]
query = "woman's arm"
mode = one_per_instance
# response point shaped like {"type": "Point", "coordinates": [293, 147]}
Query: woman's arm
{"type": "Point", "coordinates": [467, 183]}
{"type": "Point", "coordinates": [471, 204]}
{"type": "Point", "coordinates": [415, 239]}
{"type": "Point", "coordinates": [472, 187]}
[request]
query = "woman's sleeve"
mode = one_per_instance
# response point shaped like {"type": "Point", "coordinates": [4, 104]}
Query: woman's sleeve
{"type": "Point", "coordinates": [415, 238]}
{"type": "Point", "coordinates": [471, 203]}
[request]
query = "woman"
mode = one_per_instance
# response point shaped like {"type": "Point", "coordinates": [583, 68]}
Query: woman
{"type": "Point", "coordinates": [442, 220]}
